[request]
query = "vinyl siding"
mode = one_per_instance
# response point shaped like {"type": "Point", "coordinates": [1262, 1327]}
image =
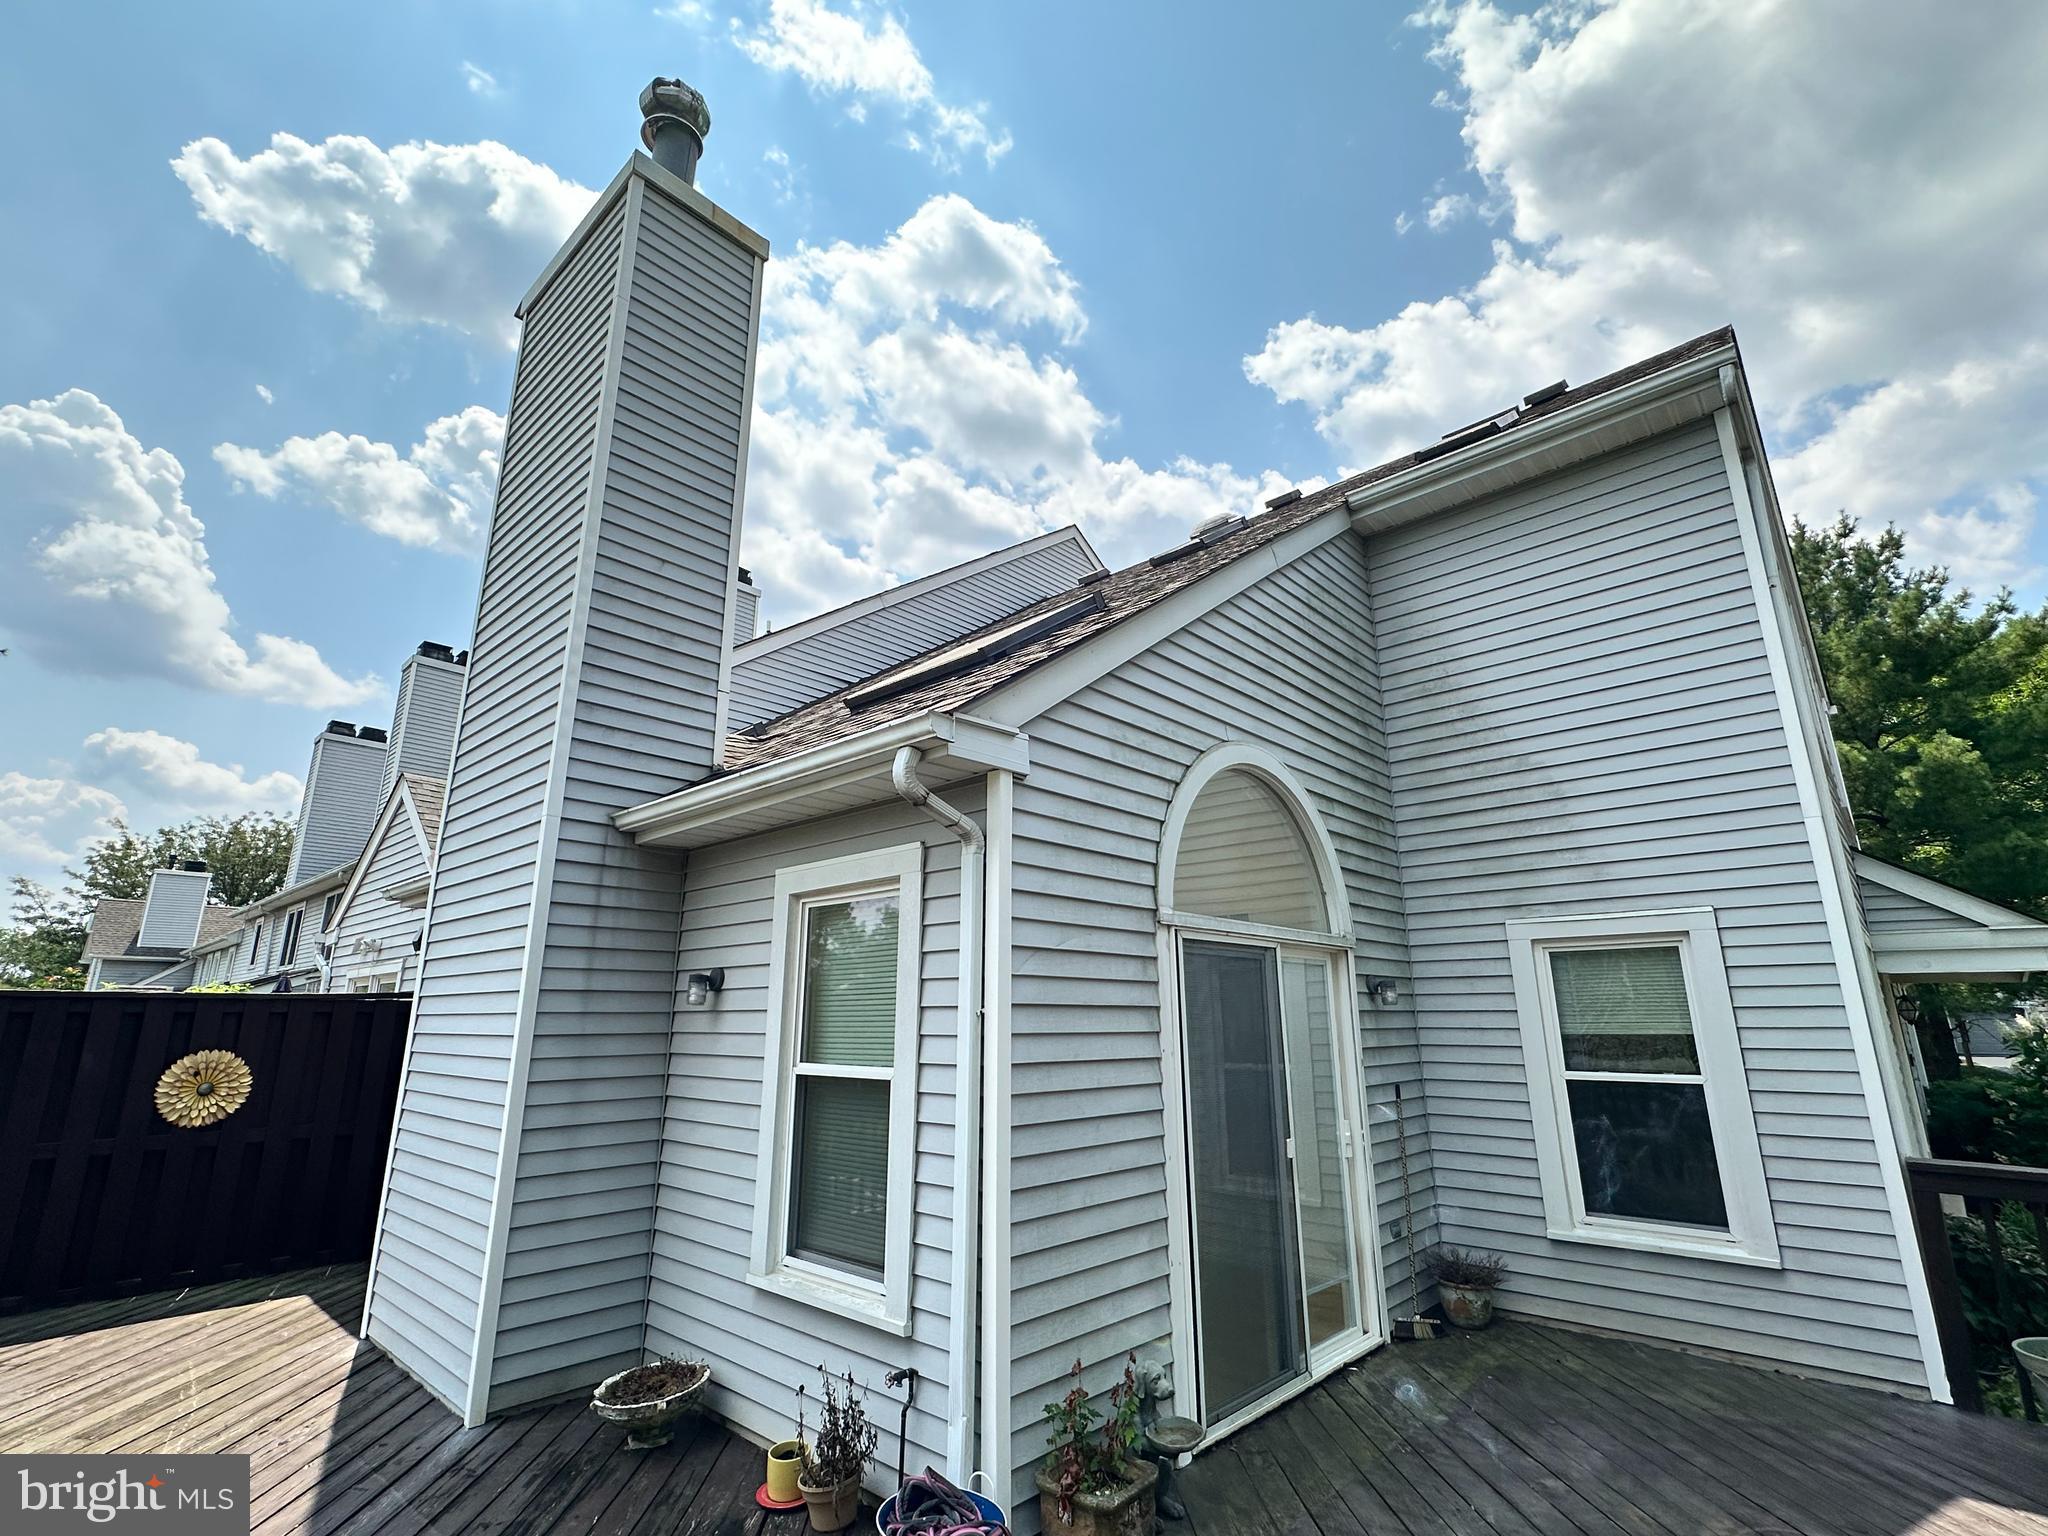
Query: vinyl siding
{"type": "Point", "coordinates": [395, 859]}
{"type": "Point", "coordinates": [763, 1345]}
{"type": "Point", "coordinates": [774, 675]}
{"type": "Point", "coordinates": [422, 722]}
{"type": "Point", "coordinates": [170, 916]}
{"type": "Point", "coordinates": [339, 806]}
{"type": "Point", "coordinates": [1288, 664]}
{"type": "Point", "coordinates": [1888, 911]}
{"type": "Point", "coordinates": [638, 725]}
{"type": "Point", "coordinates": [427, 1286]}
{"type": "Point", "coordinates": [1580, 718]}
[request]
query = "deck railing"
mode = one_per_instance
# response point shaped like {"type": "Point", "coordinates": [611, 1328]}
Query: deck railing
{"type": "Point", "coordinates": [1984, 1189]}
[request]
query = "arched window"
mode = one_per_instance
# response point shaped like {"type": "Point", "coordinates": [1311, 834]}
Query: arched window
{"type": "Point", "coordinates": [1243, 855]}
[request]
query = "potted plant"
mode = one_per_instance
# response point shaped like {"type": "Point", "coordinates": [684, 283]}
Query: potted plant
{"type": "Point", "coordinates": [648, 1399]}
{"type": "Point", "coordinates": [835, 1459]}
{"type": "Point", "coordinates": [1465, 1284]}
{"type": "Point", "coordinates": [1093, 1483]}
{"type": "Point", "coordinates": [785, 1461]}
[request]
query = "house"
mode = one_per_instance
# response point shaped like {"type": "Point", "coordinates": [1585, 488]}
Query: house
{"type": "Point", "coordinates": [148, 941]}
{"type": "Point", "coordinates": [1456, 853]}
{"type": "Point", "coordinates": [373, 936]}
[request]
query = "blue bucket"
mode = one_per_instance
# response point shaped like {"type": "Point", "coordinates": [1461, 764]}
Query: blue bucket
{"type": "Point", "coordinates": [988, 1508]}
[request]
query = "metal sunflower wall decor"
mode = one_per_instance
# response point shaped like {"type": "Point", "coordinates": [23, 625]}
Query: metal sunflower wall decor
{"type": "Point", "coordinates": [203, 1088]}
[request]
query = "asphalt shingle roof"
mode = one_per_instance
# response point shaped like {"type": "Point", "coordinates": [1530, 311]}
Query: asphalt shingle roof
{"type": "Point", "coordinates": [429, 798]}
{"type": "Point", "coordinates": [1124, 594]}
{"type": "Point", "coordinates": [117, 923]}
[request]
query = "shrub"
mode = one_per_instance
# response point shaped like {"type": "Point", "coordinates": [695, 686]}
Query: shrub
{"type": "Point", "coordinates": [1085, 1462]}
{"type": "Point", "coordinates": [1459, 1266]}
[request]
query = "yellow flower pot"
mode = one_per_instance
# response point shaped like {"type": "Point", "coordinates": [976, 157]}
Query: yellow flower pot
{"type": "Point", "coordinates": [785, 1458]}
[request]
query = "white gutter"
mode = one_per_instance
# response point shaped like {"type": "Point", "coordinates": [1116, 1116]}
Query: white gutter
{"type": "Point", "coordinates": [960, 1335]}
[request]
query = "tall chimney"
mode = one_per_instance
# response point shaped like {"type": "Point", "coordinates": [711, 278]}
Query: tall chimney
{"type": "Point", "coordinates": [746, 609]}
{"type": "Point", "coordinates": [597, 679]}
{"type": "Point", "coordinates": [174, 906]}
{"type": "Point", "coordinates": [423, 722]}
{"type": "Point", "coordinates": [340, 802]}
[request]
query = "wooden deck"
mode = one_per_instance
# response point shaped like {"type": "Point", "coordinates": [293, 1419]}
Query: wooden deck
{"type": "Point", "coordinates": [1519, 1431]}
{"type": "Point", "coordinates": [1529, 1431]}
{"type": "Point", "coordinates": [339, 1440]}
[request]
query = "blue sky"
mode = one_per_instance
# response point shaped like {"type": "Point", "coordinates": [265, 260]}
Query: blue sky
{"type": "Point", "coordinates": [1123, 263]}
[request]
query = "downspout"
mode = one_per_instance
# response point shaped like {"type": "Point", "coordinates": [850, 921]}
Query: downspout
{"type": "Point", "coordinates": [960, 1336]}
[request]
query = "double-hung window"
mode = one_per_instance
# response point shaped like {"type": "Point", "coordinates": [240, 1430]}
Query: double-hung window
{"type": "Point", "coordinates": [1644, 1133]}
{"type": "Point", "coordinates": [833, 1214]}
{"type": "Point", "coordinates": [288, 947]}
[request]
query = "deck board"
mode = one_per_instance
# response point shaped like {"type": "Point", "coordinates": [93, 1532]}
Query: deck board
{"type": "Point", "coordinates": [341, 1442]}
{"type": "Point", "coordinates": [1518, 1431]}
{"type": "Point", "coordinates": [1535, 1431]}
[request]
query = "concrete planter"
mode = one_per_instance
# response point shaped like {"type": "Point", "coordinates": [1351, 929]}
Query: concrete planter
{"type": "Point", "coordinates": [1126, 1511]}
{"type": "Point", "coordinates": [1467, 1306]}
{"type": "Point", "coordinates": [650, 1423]}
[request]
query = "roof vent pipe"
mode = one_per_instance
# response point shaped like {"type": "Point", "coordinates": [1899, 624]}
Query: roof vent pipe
{"type": "Point", "coordinates": [674, 123]}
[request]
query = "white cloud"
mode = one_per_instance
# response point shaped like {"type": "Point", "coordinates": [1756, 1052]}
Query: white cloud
{"type": "Point", "coordinates": [263, 393]}
{"type": "Point", "coordinates": [838, 53]}
{"type": "Point", "coordinates": [481, 81]}
{"type": "Point", "coordinates": [109, 572]}
{"type": "Point", "coordinates": [691, 13]}
{"type": "Point", "coordinates": [1665, 168]}
{"type": "Point", "coordinates": [46, 824]}
{"type": "Point", "coordinates": [442, 234]}
{"type": "Point", "coordinates": [437, 495]}
{"type": "Point", "coordinates": [173, 772]}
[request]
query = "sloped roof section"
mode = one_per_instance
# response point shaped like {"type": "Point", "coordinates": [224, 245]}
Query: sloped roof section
{"type": "Point", "coordinates": [430, 799]}
{"type": "Point", "coordinates": [117, 922]}
{"type": "Point", "coordinates": [1124, 594]}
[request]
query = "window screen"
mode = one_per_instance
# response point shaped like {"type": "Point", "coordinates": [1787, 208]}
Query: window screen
{"type": "Point", "coordinates": [839, 1157]}
{"type": "Point", "coordinates": [1642, 1135]}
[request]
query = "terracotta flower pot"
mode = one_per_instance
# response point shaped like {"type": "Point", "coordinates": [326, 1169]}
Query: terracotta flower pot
{"type": "Point", "coordinates": [833, 1507]}
{"type": "Point", "coordinates": [1467, 1306]}
{"type": "Point", "coordinates": [651, 1423]}
{"type": "Point", "coordinates": [1126, 1511]}
{"type": "Point", "coordinates": [785, 1461]}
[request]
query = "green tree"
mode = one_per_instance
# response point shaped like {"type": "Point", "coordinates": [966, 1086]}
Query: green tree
{"type": "Point", "coordinates": [1941, 713]}
{"type": "Point", "coordinates": [40, 948]}
{"type": "Point", "coordinates": [247, 855]}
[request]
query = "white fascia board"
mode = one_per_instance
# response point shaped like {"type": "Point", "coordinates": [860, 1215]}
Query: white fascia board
{"type": "Point", "coordinates": [1016, 703]}
{"type": "Point", "coordinates": [291, 896]}
{"type": "Point", "coordinates": [877, 602]}
{"type": "Point", "coordinates": [1962, 954]}
{"type": "Point", "coordinates": [1974, 910]}
{"type": "Point", "coordinates": [976, 744]}
{"type": "Point", "coordinates": [1687, 391]}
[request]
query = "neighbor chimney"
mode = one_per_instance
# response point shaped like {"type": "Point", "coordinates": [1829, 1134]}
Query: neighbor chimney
{"type": "Point", "coordinates": [674, 121]}
{"type": "Point", "coordinates": [597, 679]}
{"type": "Point", "coordinates": [746, 609]}
{"type": "Point", "coordinates": [340, 803]}
{"type": "Point", "coordinates": [423, 723]}
{"type": "Point", "coordinates": [171, 912]}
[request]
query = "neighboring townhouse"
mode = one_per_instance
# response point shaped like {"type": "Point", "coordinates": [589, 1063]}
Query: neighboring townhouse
{"type": "Point", "coordinates": [1457, 852]}
{"type": "Point", "coordinates": [279, 948]}
{"type": "Point", "coordinates": [148, 941]}
{"type": "Point", "coordinates": [373, 939]}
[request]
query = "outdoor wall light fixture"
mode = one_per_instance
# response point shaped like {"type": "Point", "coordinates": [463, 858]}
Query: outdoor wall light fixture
{"type": "Point", "coordinates": [1384, 989]}
{"type": "Point", "coordinates": [699, 986]}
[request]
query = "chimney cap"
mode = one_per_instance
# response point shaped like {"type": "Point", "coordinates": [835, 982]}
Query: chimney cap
{"type": "Point", "coordinates": [339, 728]}
{"type": "Point", "coordinates": [192, 866]}
{"type": "Point", "coordinates": [371, 733]}
{"type": "Point", "coordinates": [668, 103]}
{"type": "Point", "coordinates": [434, 650]}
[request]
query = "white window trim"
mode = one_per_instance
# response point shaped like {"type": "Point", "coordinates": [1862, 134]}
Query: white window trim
{"type": "Point", "coordinates": [771, 1267]}
{"type": "Point", "coordinates": [1752, 1235]}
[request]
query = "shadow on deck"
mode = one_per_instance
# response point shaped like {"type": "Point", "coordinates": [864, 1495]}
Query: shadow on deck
{"type": "Point", "coordinates": [1531, 1431]}
{"type": "Point", "coordinates": [339, 1439]}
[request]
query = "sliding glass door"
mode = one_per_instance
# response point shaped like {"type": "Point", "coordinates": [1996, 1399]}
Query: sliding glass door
{"type": "Point", "coordinates": [1269, 1177]}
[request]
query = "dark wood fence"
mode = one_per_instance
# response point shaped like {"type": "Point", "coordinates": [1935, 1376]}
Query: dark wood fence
{"type": "Point", "coordinates": [101, 1196]}
{"type": "Point", "coordinates": [1969, 1341]}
